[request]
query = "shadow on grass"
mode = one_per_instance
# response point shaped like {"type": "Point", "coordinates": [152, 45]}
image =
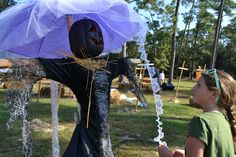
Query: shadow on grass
{"type": "Point", "coordinates": [11, 140]}
{"type": "Point", "coordinates": [41, 147]}
{"type": "Point", "coordinates": [176, 119]}
{"type": "Point", "coordinates": [142, 129]}
{"type": "Point", "coordinates": [43, 111]}
{"type": "Point", "coordinates": [139, 125]}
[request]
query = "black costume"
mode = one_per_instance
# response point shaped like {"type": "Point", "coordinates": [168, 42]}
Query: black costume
{"type": "Point", "coordinates": [93, 141]}
{"type": "Point", "coordinates": [86, 40]}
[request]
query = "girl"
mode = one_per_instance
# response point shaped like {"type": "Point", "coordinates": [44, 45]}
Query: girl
{"type": "Point", "coordinates": [212, 133]}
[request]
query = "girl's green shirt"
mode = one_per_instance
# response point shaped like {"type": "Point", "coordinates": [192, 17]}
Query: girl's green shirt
{"type": "Point", "coordinates": [214, 130]}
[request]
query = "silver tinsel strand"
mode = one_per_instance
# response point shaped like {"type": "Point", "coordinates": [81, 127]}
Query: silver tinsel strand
{"type": "Point", "coordinates": [54, 109]}
{"type": "Point", "coordinates": [23, 74]}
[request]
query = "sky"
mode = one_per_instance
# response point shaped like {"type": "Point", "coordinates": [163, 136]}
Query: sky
{"type": "Point", "coordinates": [180, 23]}
{"type": "Point", "coordinates": [182, 9]}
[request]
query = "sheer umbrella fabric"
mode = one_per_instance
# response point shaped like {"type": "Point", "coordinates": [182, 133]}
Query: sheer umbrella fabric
{"type": "Point", "coordinates": [38, 28]}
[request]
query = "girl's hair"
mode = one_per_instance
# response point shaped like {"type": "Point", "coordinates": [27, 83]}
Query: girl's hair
{"type": "Point", "coordinates": [227, 95]}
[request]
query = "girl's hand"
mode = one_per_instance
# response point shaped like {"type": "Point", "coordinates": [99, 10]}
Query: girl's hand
{"type": "Point", "coordinates": [178, 153]}
{"type": "Point", "coordinates": [163, 151]}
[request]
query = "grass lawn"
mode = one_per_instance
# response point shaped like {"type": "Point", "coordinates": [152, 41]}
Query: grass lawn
{"type": "Point", "coordinates": [132, 133]}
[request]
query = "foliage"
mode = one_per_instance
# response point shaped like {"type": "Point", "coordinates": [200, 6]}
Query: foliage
{"type": "Point", "coordinates": [194, 44]}
{"type": "Point", "coordinates": [227, 50]}
{"type": "Point", "coordinates": [46, 91]}
{"type": "Point", "coordinates": [6, 3]}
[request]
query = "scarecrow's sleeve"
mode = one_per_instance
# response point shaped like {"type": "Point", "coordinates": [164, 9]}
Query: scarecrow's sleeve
{"type": "Point", "coordinates": [60, 70]}
{"type": "Point", "coordinates": [124, 67]}
{"type": "Point", "coordinates": [118, 67]}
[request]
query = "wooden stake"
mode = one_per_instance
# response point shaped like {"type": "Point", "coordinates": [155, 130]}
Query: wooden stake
{"type": "Point", "coordinates": [59, 94]}
{"type": "Point", "coordinates": [141, 74]}
{"type": "Point", "coordinates": [69, 22]}
{"type": "Point", "coordinates": [182, 69]}
{"type": "Point", "coordinates": [39, 87]}
{"type": "Point", "coordinates": [204, 68]}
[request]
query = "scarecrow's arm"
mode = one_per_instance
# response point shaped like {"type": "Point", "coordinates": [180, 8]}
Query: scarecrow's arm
{"type": "Point", "coordinates": [124, 66]}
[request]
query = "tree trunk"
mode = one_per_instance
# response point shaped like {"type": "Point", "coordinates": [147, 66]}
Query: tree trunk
{"type": "Point", "coordinates": [184, 38]}
{"type": "Point", "coordinates": [194, 46]}
{"type": "Point", "coordinates": [180, 49]}
{"type": "Point", "coordinates": [173, 50]}
{"type": "Point", "coordinates": [217, 32]}
{"type": "Point", "coordinates": [5, 3]}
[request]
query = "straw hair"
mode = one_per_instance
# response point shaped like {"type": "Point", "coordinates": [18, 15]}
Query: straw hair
{"type": "Point", "coordinates": [92, 65]}
{"type": "Point", "coordinates": [88, 63]}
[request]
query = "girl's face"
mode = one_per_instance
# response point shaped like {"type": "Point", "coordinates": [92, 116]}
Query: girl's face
{"type": "Point", "coordinates": [201, 94]}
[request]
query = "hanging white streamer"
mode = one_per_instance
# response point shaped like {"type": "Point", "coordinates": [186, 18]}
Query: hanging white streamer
{"type": "Point", "coordinates": [151, 71]}
{"type": "Point", "coordinates": [54, 109]}
{"type": "Point", "coordinates": [155, 88]}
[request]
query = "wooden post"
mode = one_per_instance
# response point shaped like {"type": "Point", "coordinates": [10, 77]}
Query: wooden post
{"type": "Point", "coordinates": [59, 93]}
{"type": "Point", "coordinates": [69, 93]}
{"type": "Point", "coordinates": [204, 68]}
{"type": "Point", "coordinates": [69, 22]}
{"type": "Point", "coordinates": [182, 69]}
{"type": "Point", "coordinates": [39, 87]}
{"type": "Point", "coordinates": [141, 75]}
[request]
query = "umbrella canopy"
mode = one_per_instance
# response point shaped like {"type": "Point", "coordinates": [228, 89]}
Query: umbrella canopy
{"type": "Point", "coordinates": [38, 28]}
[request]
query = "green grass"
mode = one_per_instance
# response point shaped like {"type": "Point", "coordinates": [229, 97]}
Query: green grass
{"type": "Point", "coordinates": [139, 126]}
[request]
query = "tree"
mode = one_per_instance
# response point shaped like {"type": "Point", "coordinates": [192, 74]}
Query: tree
{"type": "Point", "coordinates": [197, 49]}
{"type": "Point", "coordinates": [223, 8]}
{"type": "Point", "coordinates": [192, 44]}
{"type": "Point", "coordinates": [157, 16]}
{"type": "Point", "coordinates": [183, 36]}
{"type": "Point", "coordinates": [6, 3]}
{"type": "Point", "coordinates": [227, 49]}
{"type": "Point", "coordinates": [173, 45]}
{"type": "Point", "coordinates": [217, 31]}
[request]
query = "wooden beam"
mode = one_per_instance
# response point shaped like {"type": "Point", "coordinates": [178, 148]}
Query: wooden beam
{"type": "Point", "coordinates": [39, 87]}
{"type": "Point", "coordinates": [5, 63]}
{"type": "Point", "coordinates": [182, 69]}
{"type": "Point", "coordinates": [69, 22]}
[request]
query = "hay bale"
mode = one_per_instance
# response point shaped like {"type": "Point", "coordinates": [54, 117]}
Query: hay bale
{"type": "Point", "coordinates": [114, 96]}
{"type": "Point", "coordinates": [13, 85]}
{"type": "Point", "coordinates": [118, 98]}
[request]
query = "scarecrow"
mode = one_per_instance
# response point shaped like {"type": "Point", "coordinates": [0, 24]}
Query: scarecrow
{"type": "Point", "coordinates": [90, 80]}
{"type": "Point", "coordinates": [49, 51]}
